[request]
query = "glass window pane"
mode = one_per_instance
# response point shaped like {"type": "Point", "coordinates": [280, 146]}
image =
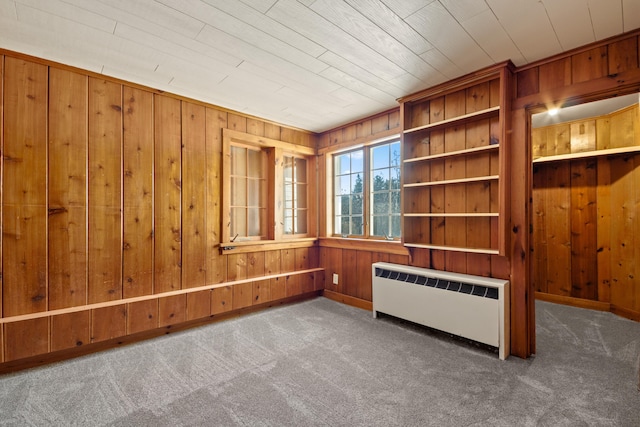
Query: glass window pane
{"type": "Point", "coordinates": [395, 225]}
{"type": "Point", "coordinates": [345, 205]}
{"type": "Point", "coordinates": [254, 190]}
{"type": "Point", "coordinates": [344, 229]}
{"type": "Point", "coordinates": [238, 191]}
{"type": "Point", "coordinates": [238, 161]}
{"type": "Point", "coordinates": [345, 184]}
{"type": "Point", "coordinates": [288, 169]}
{"type": "Point", "coordinates": [343, 164]}
{"type": "Point", "coordinates": [381, 179]}
{"type": "Point", "coordinates": [301, 170]}
{"type": "Point", "coordinates": [395, 154]}
{"type": "Point", "coordinates": [356, 225]}
{"type": "Point", "coordinates": [357, 161]}
{"type": "Point", "coordinates": [238, 222]}
{"type": "Point", "coordinates": [254, 221]}
{"type": "Point", "coordinates": [395, 178]}
{"type": "Point", "coordinates": [356, 184]}
{"type": "Point", "coordinates": [301, 222]}
{"type": "Point", "coordinates": [395, 202]}
{"type": "Point", "coordinates": [380, 157]}
{"type": "Point", "coordinates": [356, 204]}
{"type": "Point", "coordinates": [288, 225]}
{"type": "Point", "coordinates": [380, 203]}
{"type": "Point", "coordinates": [381, 226]}
{"type": "Point", "coordinates": [301, 196]}
{"type": "Point", "coordinates": [254, 161]}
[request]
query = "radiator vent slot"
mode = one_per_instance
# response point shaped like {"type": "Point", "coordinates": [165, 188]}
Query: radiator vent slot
{"type": "Point", "coordinates": [469, 306]}
{"type": "Point", "coordinates": [449, 285]}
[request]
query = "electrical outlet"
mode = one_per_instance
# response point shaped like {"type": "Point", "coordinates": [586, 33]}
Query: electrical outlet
{"type": "Point", "coordinates": [335, 279]}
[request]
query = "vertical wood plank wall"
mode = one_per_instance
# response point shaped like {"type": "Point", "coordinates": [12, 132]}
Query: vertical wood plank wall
{"type": "Point", "coordinates": [111, 192]}
{"type": "Point", "coordinates": [599, 235]}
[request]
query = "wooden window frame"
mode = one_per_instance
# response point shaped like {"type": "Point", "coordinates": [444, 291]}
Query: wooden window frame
{"type": "Point", "coordinates": [275, 151]}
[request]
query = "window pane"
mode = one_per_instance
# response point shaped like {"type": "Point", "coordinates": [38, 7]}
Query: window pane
{"type": "Point", "coordinates": [357, 161]}
{"type": "Point", "coordinates": [238, 222]}
{"type": "Point", "coordinates": [238, 192]}
{"type": "Point", "coordinates": [395, 226]}
{"type": "Point", "coordinates": [395, 154]}
{"type": "Point", "coordinates": [345, 225]}
{"type": "Point", "coordinates": [288, 225]}
{"type": "Point", "coordinates": [301, 222]}
{"type": "Point", "coordinates": [381, 226]}
{"type": "Point", "coordinates": [288, 169]}
{"type": "Point", "coordinates": [395, 178]}
{"type": "Point", "coordinates": [253, 196]}
{"type": "Point", "coordinates": [345, 204]}
{"type": "Point", "coordinates": [345, 184]}
{"type": "Point", "coordinates": [238, 161]}
{"type": "Point", "coordinates": [380, 203]}
{"type": "Point", "coordinates": [254, 163]}
{"type": "Point", "coordinates": [301, 196]}
{"type": "Point", "coordinates": [254, 221]}
{"type": "Point", "coordinates": [395, 202]}
{"type": "Point", "coordinates": [356, 225]}
{"type": "Point", "coordinates": [380, 157]}
{"type": "Point", "coordinates": [301, 170]}
{"type": "Point", "coordinates": [381, 179]}
{"type": "Point", "coordinates": [343, 164]}
{"type": "Point", "coordinates": [356, 204]}
{"type": "Point", "coordinates": [356, 184]}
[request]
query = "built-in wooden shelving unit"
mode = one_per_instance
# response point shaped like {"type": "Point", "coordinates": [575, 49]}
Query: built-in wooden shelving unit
{"type": "Point", "coordinates": [454, 164]}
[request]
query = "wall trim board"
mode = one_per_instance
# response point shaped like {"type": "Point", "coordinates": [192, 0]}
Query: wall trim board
{"type": "Point", "coordinates": [573, 301]}
{"type": "Point", "coordinates": [123, 301]}
{"type": "Point", "coordinates": [106, 77]}
{"type": "Point", "coordinates": [365, 245]}
{"type": "Point", "coordinates": [83, 350]}
{"type": "Point", "coordinates": [625, 312]}
{"type": "Point", "coordinates": [346, 299]}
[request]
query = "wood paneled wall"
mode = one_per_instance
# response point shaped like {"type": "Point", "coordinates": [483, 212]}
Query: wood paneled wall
{"type": "Point", "coordinates": [110, 196]}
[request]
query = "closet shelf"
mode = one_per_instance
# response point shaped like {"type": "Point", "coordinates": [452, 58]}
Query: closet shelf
{"type": "Point", "coordinates": [474, 150]}
{"type": "Point", "coordinates": [587, 154]}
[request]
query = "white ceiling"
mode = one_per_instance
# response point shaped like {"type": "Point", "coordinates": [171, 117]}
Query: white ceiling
{"type": "Point", "coordinates": [312, 64]}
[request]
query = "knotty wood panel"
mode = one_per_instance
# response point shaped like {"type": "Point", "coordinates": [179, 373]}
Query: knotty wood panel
{"type": "Point", "coordinates": [26, 338]}
{"type": "Point", "coordinates": [105, 181]}
{"type": "Point", "coordinates": [221, 300]}
{"type": "Point", "coordinates": [272, 262]}
{"type": "Point", "coordinates": [1, 190]}
{"type": "Point", "coordinates": [172, 310]}
{"type": "Point", "coordinates": [70, 330]}
{"type": "Point", "coordinates": [589, 65]}
{"type": "Point", "coordinates": [108, 323]}
{"type": "Point", "coordinates": [331, 260]}
{"type": "Point", "coordinates": [277, 288]}
{"type": "Point", "coordinates": [292, 285]}
{"type": "Point", "coordinates": [437, 142]}
{"type": "Point", "coordinates": [623, 55]}
{"type": "Point", "coordinates": [583, 230]}
{"type": "Point", "coordinates": [364, 259]}
{"type": "Point", "coordinates": [237, 122]}
{"type": "Point", "coordinates": [555, 74]}
{"type": "Point", "coordinates": [24, 197]}
{"type": "Point", "coordinates": [236, 267]}
{"type": "Point", "coordinates": [216, 263]}
{"type": "Point", "coordinates": [67, 169]}
{"type": "Point", "coordinates": [349, 281]}
{"type": "Point", "coordinates": [198, 305]}
{"type": "Point", "coordinates": [193, 195]}
{"type": "Point", "coordinates": [242, 295]}
{"type": "Point", "coordinates": [261, 292]}
{"type": "Point", "coordinates": [603, 232]}
{"type": "Point", "coordinates": [168, 188]}
{"type": "Point", "coordinates": [307, 282]}
{"type": "Point", "coordinates": [142, 316]}
{"type": "Point", "coordinates": [287, 260]}
{"type": "Point", "coordinates": [137, 263]}
{"type": "Point", "coordinates": [255, 264]}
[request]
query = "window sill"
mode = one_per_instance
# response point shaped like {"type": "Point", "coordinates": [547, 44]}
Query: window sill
{"type": "Point", "coordinates": [386, 246]}
{"type": "Point", "coordinates": [227, 248]}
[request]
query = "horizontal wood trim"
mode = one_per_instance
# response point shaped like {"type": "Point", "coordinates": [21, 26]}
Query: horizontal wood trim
{"type": "Point", "coordinates": [261, 141]}
{"type": "Point", "coordinates": [453, 215]}
{"type": "Point", "coordinates": [625, 312]}
{"type": "Point", "coordinates": [57, 356]}
{"type": "Point", "coordinates": [346, 299]}
{"type": "Point", "coordinates": [453, 248]}
{"type": "Point", "coordinates": [575, 302]}
{"type": "Point", "coordinates": [587, 154]}
{"type": "Point", "coordinates": [477, 115]}
{"type": "Point", "coordinates": [266, 245]}
{"type": "Point", "coordinates": [151, 297]}
{"type": "Point", "coordinates": [379, 246]}
{"type": "Point", "coordinates": [361, 142]}
{"type": "Point", "coordinates": [452, 181]}
{"type": "Point", "coordinates": [454, 153]}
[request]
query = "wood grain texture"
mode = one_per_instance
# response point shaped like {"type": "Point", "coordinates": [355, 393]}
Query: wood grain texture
{"type": "Point", "coordinates": [138, 234]}
{"type": "Point", "coordinates": [70, 330]}
{"type": "Point", "coordinates": [261, 292]}
{"type": "Point", "coordinates": [167, 194]}
{"type": "Point", "coordinates": [198, 305]}
{"type": "Point", "coordinates": [24, 197]}
{"type": "Point", "coordinates": [221, 300]}
{"type": "Point", "coordinates": [105, 191]}
{"type": "Point", "coordinates": [67, 225]}
{"type": "Point", "coordinates": [172, 310]}
{"type": "Point", "coordinates": [193, 195]}
{"type": "Point", "coordinates": [108, 323]}
{"type": "Point", "coordinates": [142, 316]}
{"type": "Point", "coordinates": [26, 338]}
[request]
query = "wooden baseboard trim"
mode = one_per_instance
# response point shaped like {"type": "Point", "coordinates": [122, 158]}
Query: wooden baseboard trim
{"type": "Point", "coordinates": [576, 302]}
{"type": "Point", "coordinates": [349, 300]}
{"type": "Point", "coordinates": [48, 358]}
{"type": "Point", "coordinates": [625, 312]}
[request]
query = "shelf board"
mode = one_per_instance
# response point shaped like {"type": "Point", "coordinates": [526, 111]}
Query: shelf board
{"type": "Point", "coordinates": [587, 154]}
{"type": "Point", "coordinates": [454, 153]}
{"type": "Point", "coordinates": [453, 181]}
{"type": "Point", "coordinates": [453, 215]}
{"type": "Point", "coordinates": [455, 120]}
{"type": "Point", "coordinates": [454, 248]}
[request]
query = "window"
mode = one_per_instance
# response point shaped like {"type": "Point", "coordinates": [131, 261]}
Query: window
{"type": "Point", "coordinates": [295, 195]}
{"type": "Point", "coordinates": [265, 189]}
{"type": "Point", "coordinates": [367, 191]}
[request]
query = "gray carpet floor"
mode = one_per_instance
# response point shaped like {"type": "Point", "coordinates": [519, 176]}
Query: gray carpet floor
{"type": "Point", "coordinates": [321, 363]}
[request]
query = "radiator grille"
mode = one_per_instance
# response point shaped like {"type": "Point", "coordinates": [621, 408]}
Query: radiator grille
{"type": "Point", "coordinates": [449, 285]}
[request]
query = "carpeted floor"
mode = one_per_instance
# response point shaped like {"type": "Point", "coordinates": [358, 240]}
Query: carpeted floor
{"type": "Point", "coordinates": [326, 364]}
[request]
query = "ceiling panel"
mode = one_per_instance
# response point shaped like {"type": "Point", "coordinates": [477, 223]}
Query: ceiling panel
{"type": "Point", "coordinates": [312, 64]}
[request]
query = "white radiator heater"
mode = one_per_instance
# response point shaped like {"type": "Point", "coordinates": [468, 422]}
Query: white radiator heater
{"type": "Point", "coordinates": [473, 307]}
